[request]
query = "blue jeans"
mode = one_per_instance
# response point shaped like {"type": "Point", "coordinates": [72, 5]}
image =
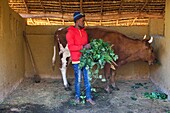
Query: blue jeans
{"type": "Point", "coordinates": [77, 74]}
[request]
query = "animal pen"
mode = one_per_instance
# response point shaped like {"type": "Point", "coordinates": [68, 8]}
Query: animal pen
{"type": "Point", "coordinates": [39, 19]}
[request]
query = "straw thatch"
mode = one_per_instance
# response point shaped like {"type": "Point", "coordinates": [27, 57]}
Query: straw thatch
{"type": "Point", "coordinates": [98, 12]}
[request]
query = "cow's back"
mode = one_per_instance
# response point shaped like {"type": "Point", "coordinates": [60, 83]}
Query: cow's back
{"type": "Point", "coordinates": [123, 46]}
{"type": "Point", "coordinates": [126, 48]}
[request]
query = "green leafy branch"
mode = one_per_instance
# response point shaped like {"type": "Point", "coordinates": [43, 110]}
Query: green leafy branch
{"type": "Point", "coordinates": [96, 57]}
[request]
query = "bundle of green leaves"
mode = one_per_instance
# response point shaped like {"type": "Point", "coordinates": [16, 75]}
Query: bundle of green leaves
{"type": "Point", "coordinates": [96, 57]}
{"type": "Point", "coordinates": [156, 95]}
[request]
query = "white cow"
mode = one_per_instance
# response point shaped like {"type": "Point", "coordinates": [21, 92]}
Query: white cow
{"type": "Point", "coordinates": [64, 54]}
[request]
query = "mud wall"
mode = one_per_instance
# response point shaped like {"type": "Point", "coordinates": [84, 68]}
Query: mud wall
{"type": "Point", "coordinates": [11, 49]}
{"type": "Point", "coordinates": [160, 72]}
{"type": "Point", "coordinates": [41, 42]}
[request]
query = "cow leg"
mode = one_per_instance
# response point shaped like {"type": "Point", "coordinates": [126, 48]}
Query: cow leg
{"type": "Point", "coordinates": [112, 80]}
{"type": "Point", "coordinates": [66, 84]}
{"type": "Point", "coordinates": [63, 72]}
{"type": "Point", "coordinates": [107, 77]}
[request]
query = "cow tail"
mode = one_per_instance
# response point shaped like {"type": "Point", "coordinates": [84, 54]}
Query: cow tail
{"type": "Point", "coordinates": [54, 50]}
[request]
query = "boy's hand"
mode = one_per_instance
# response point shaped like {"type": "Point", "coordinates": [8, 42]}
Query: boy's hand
{"type": "Point", "coordinates": [87, 46]}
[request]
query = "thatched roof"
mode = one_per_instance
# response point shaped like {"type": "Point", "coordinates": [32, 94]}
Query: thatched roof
{"type": "Point", "coordinates": [98, 12]}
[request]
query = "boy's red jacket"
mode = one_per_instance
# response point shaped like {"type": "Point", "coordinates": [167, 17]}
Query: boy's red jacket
{"type": "Point", "coordinates": [76, 39]}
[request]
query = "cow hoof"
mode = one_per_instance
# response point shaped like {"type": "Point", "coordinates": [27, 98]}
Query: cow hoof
{"type": "Point", "coordinates": [69, 84]}
{"type": "Point", "coordinates": [115, 88]}
{"type": "Point", "coordinates": [107, 90]}
{"type": "Point", "coordinates": [68, 88]}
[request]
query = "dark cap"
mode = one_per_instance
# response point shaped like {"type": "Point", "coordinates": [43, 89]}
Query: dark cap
{"type": "Point", "coordinates": [77, 15]}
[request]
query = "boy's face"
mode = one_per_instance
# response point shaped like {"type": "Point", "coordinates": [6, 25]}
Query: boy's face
{"type": "Point", "coordinates": [81, 22]}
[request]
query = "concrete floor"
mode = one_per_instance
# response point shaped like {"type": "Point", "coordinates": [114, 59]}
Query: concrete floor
{"type": "Point", "coordinates": [48, 96]}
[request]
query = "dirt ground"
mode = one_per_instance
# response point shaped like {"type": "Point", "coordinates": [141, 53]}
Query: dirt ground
{"type": "Point", "coordinates": [48, 96]}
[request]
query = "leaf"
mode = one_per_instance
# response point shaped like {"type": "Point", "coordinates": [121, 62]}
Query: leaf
{"type": "Point", "coordinates": [139, 84]}
{"type": "Point", "coordinates": [133, 98]}
{"type": "Point", "coordinates": [90, 79]}
{"type": "Point", "coordinates": [83, 102]}
{"type": "Point", "coordinates": [103, 80]}
{"type": "Point", "coordinates": [112, 54]}
{"type": "Point", "coordinates": [93, 89]}
{"type": "Point", "coordinates": [115, 57]}
{"type": "Point", "coordinates": [87, 67]}
{"type": "Point", "coordinates": [96, 71]}
{"type": "Point", "coordinates": [100, 76]}
{"type": "Point", "coordinates": [82, 97]}
{"type": "Point", "coordinates": [100, 62]}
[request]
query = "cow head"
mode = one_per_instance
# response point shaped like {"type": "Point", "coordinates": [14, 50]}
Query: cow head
{"type": "Point", "coordinates": [147, 53]}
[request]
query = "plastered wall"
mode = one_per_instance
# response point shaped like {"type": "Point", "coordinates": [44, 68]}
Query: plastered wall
{"type": "Point", "coordinates": [11, 49]}
{"type": "Point", "coordinates": [161, 72]}
{"type": "Point", "coordinates": [41, 42]}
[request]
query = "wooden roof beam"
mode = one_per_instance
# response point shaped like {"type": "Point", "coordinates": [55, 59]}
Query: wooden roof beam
{"type": "Point", "coordinates": [61, 10]}
{"type": "Point", "coordinates": [133, 21]}
{"type": "Point", "coordinates": [163, 11]}
{"type": "Point", "coordinates": [120, 7]}
{"type": "Point", "coordinates": [146, 1]}
{"type": "Point", "coordinates": [32, 21]}
{"type": "Point", "coordinates": [63, 22]}
{"type": "Point", "coordinates": [25, 3]}
{"type": "Point", "coordinates": [117, 22]}
{"type": "Point", "coordinates": [135, 8]}
{"type": "Point", "coordinates": [81, 5]}
{"type": "Point", "coordinates": [42, 6]}
{"type": "Point", "coordinates": [102, 2]}
{"type": "Point", "coordinates": [101, 11]}
{"type": "Point", "coordinates": [97, 16]}
{"type": "Point", "coordinates": [48, 20]}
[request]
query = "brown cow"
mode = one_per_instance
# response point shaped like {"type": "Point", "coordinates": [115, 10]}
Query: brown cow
{"type": "Point", "coordinates": [126, 48]}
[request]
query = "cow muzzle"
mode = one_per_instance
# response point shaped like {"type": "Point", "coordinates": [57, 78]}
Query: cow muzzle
{"type": "Point", "coordinates": [150, 63]}
{"type": "Point", "coordinates": [154, 61]}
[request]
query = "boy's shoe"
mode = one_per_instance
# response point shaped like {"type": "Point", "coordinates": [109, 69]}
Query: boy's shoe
{"type": "Point", "coordinates": [91, 101]}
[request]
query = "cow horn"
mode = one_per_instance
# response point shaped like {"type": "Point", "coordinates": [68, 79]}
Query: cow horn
{"type": "Point", "coordinates": [144, 37]}
{"type": "Point", "coordinates": [151, 40]}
